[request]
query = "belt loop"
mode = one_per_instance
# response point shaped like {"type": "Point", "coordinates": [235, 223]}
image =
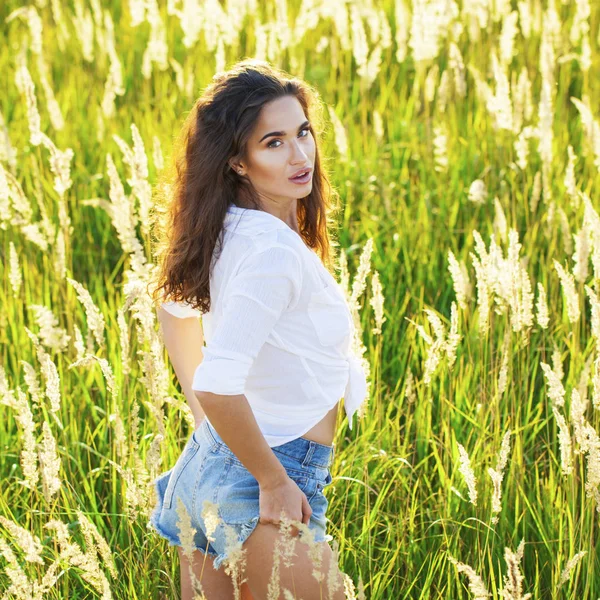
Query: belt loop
{"type": "Point", "coordinates": [310, 452]}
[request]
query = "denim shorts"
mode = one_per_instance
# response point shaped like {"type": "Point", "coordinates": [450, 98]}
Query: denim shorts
{"type": "Point", "coordinates": [208, 470]}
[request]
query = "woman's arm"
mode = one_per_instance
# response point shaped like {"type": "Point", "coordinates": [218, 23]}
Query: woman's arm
{"type": "Point", "coordinates": [265, 285]}
{"type": "Point", "coordinates": [234, 421]}
{"type": "Point", "coordinates": [184, 340]}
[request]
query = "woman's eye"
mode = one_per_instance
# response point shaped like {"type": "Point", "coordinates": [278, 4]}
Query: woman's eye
{"type": "Point", "coordinates": [307, 129]}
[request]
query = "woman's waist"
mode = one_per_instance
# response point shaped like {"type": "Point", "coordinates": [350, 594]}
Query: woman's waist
{"type": "Point", "coordinates": [274, 407]}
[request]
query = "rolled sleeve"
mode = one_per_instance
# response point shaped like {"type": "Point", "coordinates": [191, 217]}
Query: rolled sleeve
{"type": "Point", "coordinates": [266, 284]}
{"type": "Point", "coordinates": [180, 309]}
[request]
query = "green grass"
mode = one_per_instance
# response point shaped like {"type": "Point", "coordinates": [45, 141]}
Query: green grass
{"type": "Point", "coordinates": [392, 507]}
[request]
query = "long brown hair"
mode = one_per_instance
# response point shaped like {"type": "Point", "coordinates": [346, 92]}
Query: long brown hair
{"type": "Point", "coordinates": [194, 193]}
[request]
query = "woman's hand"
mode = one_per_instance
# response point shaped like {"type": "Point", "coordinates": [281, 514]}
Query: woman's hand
{"type": "Point", "coordinates": [287, 496]}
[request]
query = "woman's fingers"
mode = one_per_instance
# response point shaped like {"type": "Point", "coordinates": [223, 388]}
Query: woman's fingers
{"type": "Point", "coordinates": [288, 499]}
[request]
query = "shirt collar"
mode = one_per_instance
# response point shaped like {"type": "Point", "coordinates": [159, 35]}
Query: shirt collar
{"type": "Point", "coordinates": [253, 222]}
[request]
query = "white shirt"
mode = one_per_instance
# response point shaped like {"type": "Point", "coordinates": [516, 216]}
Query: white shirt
{"type": "Point", "coordinates": [279, 329]}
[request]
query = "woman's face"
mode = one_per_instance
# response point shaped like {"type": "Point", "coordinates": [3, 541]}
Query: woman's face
{"type": "Point", "coordinates": [281, 144]}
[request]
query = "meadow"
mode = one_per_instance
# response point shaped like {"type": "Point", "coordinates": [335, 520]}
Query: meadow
{"type": "Point", "coordinates": [464, 142]}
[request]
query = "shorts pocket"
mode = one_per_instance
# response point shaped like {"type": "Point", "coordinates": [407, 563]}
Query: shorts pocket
{"type": "Point", "coordinates": [330, 317]}
{"type": "Point", "coordinates": [188, 453]}
{"type": "Point", "coordinates": [229, 454]}
{"type": "Point", "coordinates": [300, 478]}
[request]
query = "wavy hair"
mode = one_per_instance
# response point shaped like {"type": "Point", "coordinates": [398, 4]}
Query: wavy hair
{"type": "Point", "coordinates": [196, 189]}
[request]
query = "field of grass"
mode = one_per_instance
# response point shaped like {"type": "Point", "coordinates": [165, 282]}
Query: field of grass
{"type": "Point", "coordinates": [464, 140]}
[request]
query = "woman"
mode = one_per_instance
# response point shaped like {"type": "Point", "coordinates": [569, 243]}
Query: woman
{"type": "Point", "coordinates": [248, 210]}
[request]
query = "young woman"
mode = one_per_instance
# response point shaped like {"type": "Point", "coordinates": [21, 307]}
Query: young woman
{"type": "Point", "coordinates": [247, 213]}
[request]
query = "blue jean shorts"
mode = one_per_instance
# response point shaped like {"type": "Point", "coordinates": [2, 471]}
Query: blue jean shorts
{"type": "Point", "coordinates": [208, 470]}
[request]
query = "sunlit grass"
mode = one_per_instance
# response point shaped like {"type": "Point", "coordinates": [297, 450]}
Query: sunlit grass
{"type": "Point", "coordinates": [465, 143]}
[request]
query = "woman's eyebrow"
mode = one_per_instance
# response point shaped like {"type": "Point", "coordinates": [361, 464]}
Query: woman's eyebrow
{"type": "Point", "coordinates": [281, 133]}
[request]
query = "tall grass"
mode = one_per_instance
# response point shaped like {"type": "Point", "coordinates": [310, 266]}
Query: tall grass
{"type": "Point", "coordinates": [465, 142]}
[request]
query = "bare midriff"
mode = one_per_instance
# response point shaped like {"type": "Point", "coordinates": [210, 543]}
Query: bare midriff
{"type": "Point", "coordinates": [324, 431]}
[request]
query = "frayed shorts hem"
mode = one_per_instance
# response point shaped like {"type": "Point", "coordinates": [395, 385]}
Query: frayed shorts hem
{"type": "Point", "coordinates": [245, 530]}
{"type": "Point", "coordinates": [173, 541]}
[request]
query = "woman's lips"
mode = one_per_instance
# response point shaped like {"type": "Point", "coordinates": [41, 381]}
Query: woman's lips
{"type": "Point", "coordinates": [301, 180]}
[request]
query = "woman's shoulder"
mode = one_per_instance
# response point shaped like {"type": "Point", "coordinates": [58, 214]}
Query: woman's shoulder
{"type": "Point", "coordinates": [268, 254]}
{"type": "Point", "coordinates": [249, 230]}
{"type": "Point", "coordinates": [238, 248]}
